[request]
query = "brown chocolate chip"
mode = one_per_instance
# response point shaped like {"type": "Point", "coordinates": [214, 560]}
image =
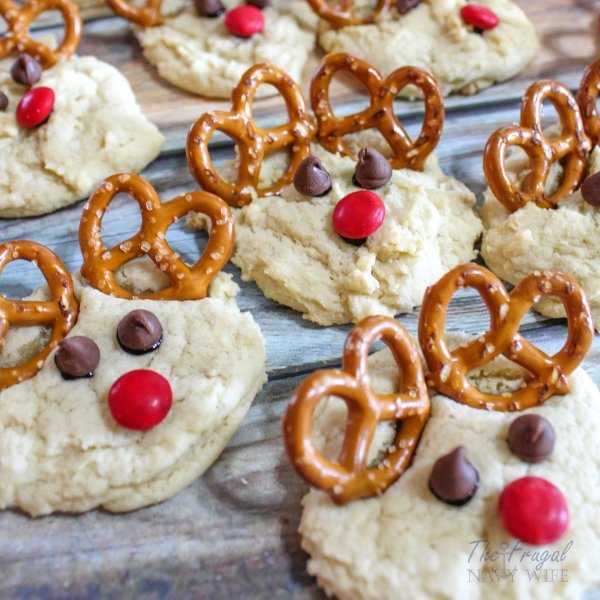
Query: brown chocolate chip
{"type": "Point", "coordinates": [454, 480]}
{"type": "Point", "coordinates": [259, 3]}
{"type": "Point", "coordinates": [531, 438]}
{"type": "Point", "coordinates": [26, 70]}
{"type": "Point", "coordinates": [3, 101]}
{"type": "Point", "coordinates": [403, 6]}
{"type": "Point", "coordinates": [311, 178]}
{"type": "Point", "coordinates": [372, 170]}
{"type": "Point", "coordinates": [590, 189]}
{"type": "Point", "coordinates": [209, 8]}
{"type": "Point", "coordinates": [139, 332]}
{"type": "Point", "coordinates": [77, 356]}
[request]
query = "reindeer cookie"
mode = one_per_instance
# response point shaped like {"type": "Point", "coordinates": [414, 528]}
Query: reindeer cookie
{"type": "Point", "coordinates": [541, 209]}
{"type": "Point", "coordinates": [150, 370]}
{"type": "Point", "coordinates": [65, 121]}
{"type": "Point", "coordinates": [359, 224]}
{"type": "Point", "coordinates": [493, 498]}
{"type": "Point", "coordinates": [204, 46]}
{"type": "Point", "coordinates": [467, 46]}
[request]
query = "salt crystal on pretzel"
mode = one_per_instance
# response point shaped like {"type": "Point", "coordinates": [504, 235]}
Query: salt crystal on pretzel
{"type": "Point", "coordinates": [58, 312]}
{"type": "Point", "coordinates": [187, 283]}
{"type": "Point", "coordinates": [254, 143]}
{"type": "Point", "coordinates": [448, 370]}
{"type": "Point", "coordinates": [350, 478]}
{"type": "Point", "coordinates": [571, 148]}
{"type": "Point", "coordinates": [19, 18]}
{"type": "Point", "coordinates": [380, 114]}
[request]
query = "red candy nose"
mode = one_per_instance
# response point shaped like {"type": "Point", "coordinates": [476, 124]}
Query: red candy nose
{"type": "Point", "coordinates": [480, 17]}
{"type": "Point", "coordinates": [534, 510]}
{"type": "Point", "coordinates": [140, 399]}
{"type": "Point", "coordinates": [35, 107]}
{"type": "Point", "coordinates": [244, 21]}
{"type": "Point", "coordinates": [358, 215]}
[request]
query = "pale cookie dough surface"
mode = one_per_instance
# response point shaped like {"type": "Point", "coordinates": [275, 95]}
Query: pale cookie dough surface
{"type": "Point", "coordinates": [565, 239]}
{"type": "Point", "coordinates": [96, 129]}
{"type": "Point", "coordinates": [198, 54]}
{"type": "Point", "coordinates": [408, 544]}
{"type": "Point", "coordinates": [61, 450]}
{"type": "Point", "coordinates": [287, 244]}
{"type": "Point", "coordinates": [433, 36]}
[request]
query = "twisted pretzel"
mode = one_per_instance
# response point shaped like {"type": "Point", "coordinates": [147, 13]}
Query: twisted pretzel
{"type": "Point", "coordinates": [448, 370]}
{"type": "Point", "coordinates": [587, 98]}
{"type": "Point", "coordinates": [253, 142]}
{"type": "Point", "coordinates": [571, 148]}
{"type": "Point", "coordinates": [380, 114]}
{"type": "Point", "coordinates": [350, 478]}
{"type": "Point", "coordinates": [59, 312]}
{"type": "Point", "coordinates": [188, 283]}
{"type": "Point", "coordinates": [340, 13]}
{"type": "Point", "coordinates": [148, 15]}
{"type": "Point", "coordinates": [18, 20]}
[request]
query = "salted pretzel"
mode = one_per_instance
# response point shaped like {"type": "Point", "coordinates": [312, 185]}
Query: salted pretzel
{"type": "Point", "coordinates": [448, 370]}
{"type": "Point", "coordinates": [58, 312]}
{"type": "Point", "coordinates": [350, 477]}
{"type": "Point", "coordinates": [407, 153]}
{"type": "Point", "coordinates": [587, 99]}
{"type": "Point", "coordinates": [341, 13]}
{"type": "Point", "coordinates": [571, 148]}
{"type": "Point", "coordinates": [148, 15]}
{"type": "Point", "coordinates": [187, 283]}
{"type": "Point", "coordinates": [19, 18]}
{"type": "Point", "coordinates": [253, 142]}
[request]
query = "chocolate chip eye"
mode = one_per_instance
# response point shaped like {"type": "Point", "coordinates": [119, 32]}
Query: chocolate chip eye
{"type": "Point", "coordinates": [139, 332]}
{"type": "Point", "coordinates": [403, 6]}
{"type": "Point", "coordinates": [373, 170]}
{"type": "Point", "coordinates": [531, 438]}
{"type": "Point", "coordinates": [77, 356]}
{"type": "Point", "coordinates": [311, 178]}
{"type": "Point", "coordinates": [454, 480]}
{"type": "Point", "coordinates": [209, 8]}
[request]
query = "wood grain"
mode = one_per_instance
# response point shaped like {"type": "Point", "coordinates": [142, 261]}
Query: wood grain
{"type": "Point", "coordinates": [232, 534]}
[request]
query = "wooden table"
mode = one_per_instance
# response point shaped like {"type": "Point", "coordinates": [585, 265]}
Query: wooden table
{"type": "Point", "coordinates": [232, 534]}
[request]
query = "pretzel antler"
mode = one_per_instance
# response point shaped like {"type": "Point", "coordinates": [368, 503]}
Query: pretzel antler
{"type": "Point", "coordinates": [341, 13]}
{"type": "Point", "coordinates": [148, 15]}
{"type": "Point", "coordinates": [188, 283]}
{"type": "Point", "coordinates": [58, 312]}
{"type": "Point", "coordinates": [350, 477]}
{"type": "Point", "coordinates": [380, 114]}
{"type": "Point", "coordinates": [253, 143]}
{"type": "Point", "coordinates": [587, 99]}
{"type": "Point", "coordinates": [448, 370]}
{"type": "Point", "coordinates": [571, 147]}
{"type": "Point", "coordinates": [18, 19]}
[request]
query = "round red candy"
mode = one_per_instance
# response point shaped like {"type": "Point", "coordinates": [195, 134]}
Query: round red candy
{"type": "Point", "coordinates": [245, 20]}
{"type": "Point", "coordinates": [35, 107]}
{"type": "Point", "coordinates": [480, 17]}
{"type": "Point", "coordinates": [140, 399]}
{"type": "Point", "coordinates": [534, 511]}
{"type": "Point", "coordinates": [358, 215]}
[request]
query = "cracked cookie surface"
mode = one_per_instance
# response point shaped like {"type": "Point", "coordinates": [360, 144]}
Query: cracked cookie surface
{"type": "Point", "coordinates": [408, 544]}
{"type": "Point", "coordinates": [61, 450]}
{"type": "Point", "coordinates": [96, 129]}
{"type": "Point", "coordinates": [434, 37]}
{"type": "Point", "coordinates": [287, 245]}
